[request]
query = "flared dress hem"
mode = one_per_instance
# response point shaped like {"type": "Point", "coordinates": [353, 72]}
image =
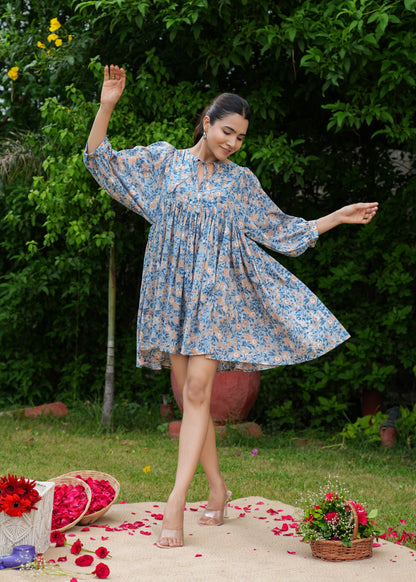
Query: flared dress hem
{"type": "Point", "coordinates": [157, 359]}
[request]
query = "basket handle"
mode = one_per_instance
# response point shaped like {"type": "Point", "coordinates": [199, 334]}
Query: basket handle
{"type": "Point", "coordinates": [355, 515]}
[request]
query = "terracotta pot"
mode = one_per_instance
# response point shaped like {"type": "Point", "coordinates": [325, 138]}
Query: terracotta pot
{"type": "Point", "coordinates": [166, 411]}
{"type": "Point", "coordinates": [233, 395]}
{"type": "Point", "coordinates": [388, 436]}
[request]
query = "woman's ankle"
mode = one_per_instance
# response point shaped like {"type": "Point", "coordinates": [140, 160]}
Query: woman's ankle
{"type": "Point", "coordinates": [218, 486]}
{"type": "Point", "coordinates": [177, 498]}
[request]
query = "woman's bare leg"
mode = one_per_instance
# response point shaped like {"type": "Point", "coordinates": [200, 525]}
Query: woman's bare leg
{"type": "Point", "coordinates": [194, 429]}
{"type": "Point", "coordinates": [209, 456]}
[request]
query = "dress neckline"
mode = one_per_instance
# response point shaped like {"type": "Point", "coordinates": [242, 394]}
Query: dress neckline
{"type": "Point", "coordinates": [197, 159]}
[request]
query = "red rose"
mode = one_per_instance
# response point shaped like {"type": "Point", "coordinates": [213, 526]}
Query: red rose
{"type": "Point", "coordinates": [332, 517]}
{"type": "Point", "coordinates": [58, 538]}
{"type": "Point", "coordinates": [101, 552]}
{"type": "Point", "coordinates": [76, 547]}
{"type": "Point", "coordinates": [361, 512]}
{"type": "Point", "coordinates": [101, 570]}
{"type": "Point", "coordinates": [84, 560]}
{"type": "Point", "coordinates": [310, 518]}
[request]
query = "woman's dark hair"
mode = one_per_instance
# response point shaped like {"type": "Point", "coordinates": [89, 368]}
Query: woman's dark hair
{"type": "Point", "coordinates": [223, 105]}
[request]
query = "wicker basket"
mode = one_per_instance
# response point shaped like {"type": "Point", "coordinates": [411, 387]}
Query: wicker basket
{"type": "Point", "coordinates": [97, 476]}
{"type": "Point", "coordinates": [71, 480]}
{"type": "Point", "coordinates": [335, 551]}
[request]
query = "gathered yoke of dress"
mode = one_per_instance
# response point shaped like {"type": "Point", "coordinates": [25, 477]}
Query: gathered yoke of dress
{"type": "Point", "coordinates": [207, 287]}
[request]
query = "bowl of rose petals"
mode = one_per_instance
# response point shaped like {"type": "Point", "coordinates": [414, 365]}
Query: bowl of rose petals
{"type": "Point", "coordinates": [104, 491]}
{"type": "Point", "coordinates": [71, 500]}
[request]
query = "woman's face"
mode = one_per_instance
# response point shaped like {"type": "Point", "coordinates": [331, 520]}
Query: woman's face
{"type": "Point", "coordinates": [225, 136]}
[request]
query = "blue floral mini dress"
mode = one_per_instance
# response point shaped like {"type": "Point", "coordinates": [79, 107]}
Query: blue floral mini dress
{"type": "Point", "coordinates": [207, 287]}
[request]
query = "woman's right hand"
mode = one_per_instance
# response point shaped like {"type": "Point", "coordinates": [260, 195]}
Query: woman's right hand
{"type": "Point", "coordinates": [112, 89]}
{"type": "Point", "coordinates": [113, 86]}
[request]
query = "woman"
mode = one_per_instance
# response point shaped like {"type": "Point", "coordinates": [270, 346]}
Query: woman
{"type": "Point", "coordinates": [211, 298]}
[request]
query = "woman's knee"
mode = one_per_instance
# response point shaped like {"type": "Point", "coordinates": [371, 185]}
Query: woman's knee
{"type": "Point", "coordinates": [196, 391]}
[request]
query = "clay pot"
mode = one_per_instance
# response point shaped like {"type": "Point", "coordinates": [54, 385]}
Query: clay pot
{"type": "Point", "coordinates": [166, 411]}
{"type": "Point", "coordinates": [233, 395]}
{"type": "Point", "coordinates": [388, 436]}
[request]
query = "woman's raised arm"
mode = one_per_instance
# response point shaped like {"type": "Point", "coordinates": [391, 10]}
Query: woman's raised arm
{"type": "Point", "coordinates": [112, 89]}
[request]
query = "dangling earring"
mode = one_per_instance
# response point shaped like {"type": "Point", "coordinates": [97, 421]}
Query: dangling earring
{"type": "Point", "coordinates": [204, 135]}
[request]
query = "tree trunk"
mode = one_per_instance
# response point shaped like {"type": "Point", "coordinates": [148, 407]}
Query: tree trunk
{"type": "Point", "coordinates": [109, 372]}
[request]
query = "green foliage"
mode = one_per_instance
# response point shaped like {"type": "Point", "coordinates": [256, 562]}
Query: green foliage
{"type": "Point", "coordinates": [74, 214]}
{"type": "Point", "coordinates": [357, 42]}
{"type": "Point", "coordinates": [48, 59]}
{"type": "Point", "coordinates": [366, 428]}
{"type": "Point", "coordinates": [332, 92]}
{"type": "Point", "coordinates": [406, 426]}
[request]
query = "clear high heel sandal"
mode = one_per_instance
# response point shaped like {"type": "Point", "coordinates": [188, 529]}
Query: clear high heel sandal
{"type": "Point", "coordinates": [215, 516]}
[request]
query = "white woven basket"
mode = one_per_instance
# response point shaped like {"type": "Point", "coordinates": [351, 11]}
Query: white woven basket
{"type": "Point", "coordinates": [33, 528]}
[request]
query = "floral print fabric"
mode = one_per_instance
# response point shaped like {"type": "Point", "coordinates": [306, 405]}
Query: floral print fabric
{"type": "Point", "coordinates": [207, 287]}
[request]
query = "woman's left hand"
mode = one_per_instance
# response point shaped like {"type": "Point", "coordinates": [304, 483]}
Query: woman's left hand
{"type": "Point", "coordinates": [359, 213]}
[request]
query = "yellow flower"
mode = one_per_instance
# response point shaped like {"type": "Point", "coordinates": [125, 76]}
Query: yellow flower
{"type": "Point", "coordinates": [55, 24]}
{"type": "Point", "coordinates": [52, 37]}
{"type": "Point", "coordinates": [146, 469]}
{"type": "Point", "coordinates": [13, 73]}
{"type": "Point", "coordinates": [70, 37]}
{"type": "Point", "coordinates": [40, 44]}
{"type": "Point", "coordinates": [58, 41]}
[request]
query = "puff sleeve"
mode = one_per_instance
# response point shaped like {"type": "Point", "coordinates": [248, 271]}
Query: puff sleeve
{"type": "Point", "coordinates": [133, 177]}
{"type": "Point", "coordinates": [262, 221]}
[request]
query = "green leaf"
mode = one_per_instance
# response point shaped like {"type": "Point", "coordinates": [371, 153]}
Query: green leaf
{"type": "Point", "coordinates": [291, 33]}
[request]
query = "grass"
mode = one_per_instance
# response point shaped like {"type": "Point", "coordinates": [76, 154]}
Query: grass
{"type": "Point", "coordinates": [288, 467]}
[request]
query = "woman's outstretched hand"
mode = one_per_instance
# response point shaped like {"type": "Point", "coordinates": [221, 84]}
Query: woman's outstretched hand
{"type": "Point", "coordinates": [359, 213]}
{"type": "Point", "coordinates": [113, 86]}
